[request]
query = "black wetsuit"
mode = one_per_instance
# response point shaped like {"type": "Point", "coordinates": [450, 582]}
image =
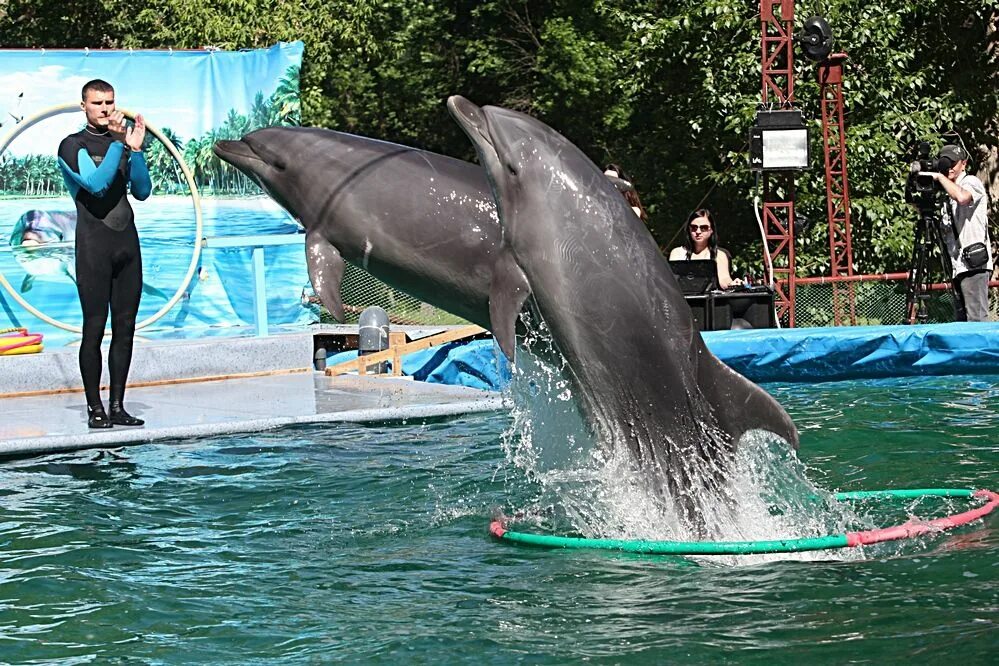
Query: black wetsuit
{"type": "Point", "coordinates": [98, 172]}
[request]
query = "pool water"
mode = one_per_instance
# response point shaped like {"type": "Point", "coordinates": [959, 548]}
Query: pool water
{"type": "Point", "coordinates": [368, 543]}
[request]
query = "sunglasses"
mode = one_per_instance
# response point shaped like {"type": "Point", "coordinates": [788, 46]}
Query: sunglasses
{"type": "Point", "coordinates": [700, 227]}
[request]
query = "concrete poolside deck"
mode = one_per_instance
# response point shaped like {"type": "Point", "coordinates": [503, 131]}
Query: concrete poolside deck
{"type": "Point", "coordinates": [205, 387]}
{"type": "Point", "coordinates": [210, 385]}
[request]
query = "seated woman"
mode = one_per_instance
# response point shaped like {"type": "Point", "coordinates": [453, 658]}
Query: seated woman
{"type": "Point", "coordinates": [627, 189]}
{"type": "Point", "coordinates": [701, 242]}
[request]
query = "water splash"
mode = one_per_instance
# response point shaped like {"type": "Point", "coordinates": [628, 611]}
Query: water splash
{"type": "Point", "coordinates": [591, 484]}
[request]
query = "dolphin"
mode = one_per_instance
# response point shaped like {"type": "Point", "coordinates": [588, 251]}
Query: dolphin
{"type": "Point", "coordinates": [421, 222]}
{"type": "Point", "coordinates": [575, 252]}
{"type": "Point", "coordinates": [36, 228]}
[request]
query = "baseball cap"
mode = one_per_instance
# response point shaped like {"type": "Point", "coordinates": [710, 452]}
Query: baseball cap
{"type": "Point", "coordinates": [953, 153]}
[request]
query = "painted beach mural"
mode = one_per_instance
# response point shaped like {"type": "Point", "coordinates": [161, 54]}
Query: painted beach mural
{"type": "Point", "coordinates": [193, 98]}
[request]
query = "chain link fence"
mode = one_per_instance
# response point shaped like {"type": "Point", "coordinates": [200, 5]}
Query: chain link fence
{"type": "Point", "coordinates": [361, 290]}
{"type": "Point", "coordinates": [874, 303]}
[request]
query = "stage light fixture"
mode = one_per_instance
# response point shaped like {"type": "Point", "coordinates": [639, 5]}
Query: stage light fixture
{"type": "Point", "coordinates": [778, 141]}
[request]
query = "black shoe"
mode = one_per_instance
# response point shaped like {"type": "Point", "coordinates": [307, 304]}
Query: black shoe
{"type": "Point", "coordinates": [120, 417]}
{"type": "Point", "coordinates": [98, 418]}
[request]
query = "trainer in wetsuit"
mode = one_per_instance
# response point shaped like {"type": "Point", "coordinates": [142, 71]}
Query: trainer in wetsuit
{"type": "Point", "coordinates": [99, 164]}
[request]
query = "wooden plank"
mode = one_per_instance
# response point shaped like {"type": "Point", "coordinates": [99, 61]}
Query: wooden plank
{"type": "Point", "coordinates": [395, 352]}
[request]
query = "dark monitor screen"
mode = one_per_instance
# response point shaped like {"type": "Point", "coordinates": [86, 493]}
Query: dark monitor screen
{"type": "Point", "coordinates": [696, 276]}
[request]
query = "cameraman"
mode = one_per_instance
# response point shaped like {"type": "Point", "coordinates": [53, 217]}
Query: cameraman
{"type": "Point", "coordinates": [966, 232]}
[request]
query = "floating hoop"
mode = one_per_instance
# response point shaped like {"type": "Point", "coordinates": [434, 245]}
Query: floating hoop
{"type": "Point", "coordinates": [848, 540]}
{"type": "Point", "coordinates": [195, 196]}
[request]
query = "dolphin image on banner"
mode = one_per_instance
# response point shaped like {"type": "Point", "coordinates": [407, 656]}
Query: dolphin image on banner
{"type": "Point", "coordinates": [35, 229]}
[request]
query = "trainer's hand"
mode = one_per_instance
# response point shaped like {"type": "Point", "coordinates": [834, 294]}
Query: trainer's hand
{"type": "Point", "coordinates": [117, 126]}
{"type": "Point", "coordinates": [136, 134]}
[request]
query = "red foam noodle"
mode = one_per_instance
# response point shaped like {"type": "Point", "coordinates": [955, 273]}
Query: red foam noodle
{"type": "Point", "coordinates": [914, 529]}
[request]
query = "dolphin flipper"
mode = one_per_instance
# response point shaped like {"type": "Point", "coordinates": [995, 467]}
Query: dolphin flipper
{"type": "Point", "coordinates": [507, 293]}
{"type": "Point", "coordinates": [740, 405]}
{"type": "Point", "coordinates": [326, 267]}
{"type": "Point", "coordinates": [27, 283]}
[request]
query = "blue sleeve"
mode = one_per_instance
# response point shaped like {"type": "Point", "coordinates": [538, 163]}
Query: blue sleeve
{"type": "Point", "coordinates": [94, 179]}
{"type": "Point", "coordinates": [138, 177]}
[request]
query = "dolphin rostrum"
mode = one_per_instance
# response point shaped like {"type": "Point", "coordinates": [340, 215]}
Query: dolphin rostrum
{"type": "Point", "coordinates": [616, 313]}
{"type": "Point", "coordinates": [422, 222]}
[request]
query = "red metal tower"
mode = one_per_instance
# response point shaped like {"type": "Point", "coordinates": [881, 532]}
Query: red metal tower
{"type": "Point", "coordinates": [777, 28]}
{"type": "Point", "coordinates": [830, 75]}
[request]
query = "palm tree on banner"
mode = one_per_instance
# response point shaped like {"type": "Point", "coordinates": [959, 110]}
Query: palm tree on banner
{"type": "Point", "coordinates": [286, 101]}
{"type": "Point", "coordinates": [163, 170]}
{"type": "Point", "coordinates": [53, 177]}
{"type": "Point", "coordinates": [191, 151]}
{"type": "Point", "coordinates": [33, 174]}
{"type": "Point", "coordinates": [260, 112]}
{"type": "Point", "coordinates": [236, 126]}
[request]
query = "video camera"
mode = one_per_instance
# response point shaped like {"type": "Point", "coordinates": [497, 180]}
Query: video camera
{"type": "Point", "coordinates": [922, 189]}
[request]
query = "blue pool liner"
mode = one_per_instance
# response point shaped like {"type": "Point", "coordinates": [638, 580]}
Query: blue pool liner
{"type": "Point", "coordinates": [856, 352]}
{"type": "Point", "coordinates": [767, 355]}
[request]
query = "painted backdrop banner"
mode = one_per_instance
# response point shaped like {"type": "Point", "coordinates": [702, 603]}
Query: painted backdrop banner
{"type": "Point", "coordinates": [193, 98]}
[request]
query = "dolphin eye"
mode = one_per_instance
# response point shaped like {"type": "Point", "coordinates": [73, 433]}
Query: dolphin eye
{"type": "Point", "coordinates": [512, 170]}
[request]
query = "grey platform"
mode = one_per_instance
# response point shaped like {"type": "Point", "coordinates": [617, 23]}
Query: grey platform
{"type": "Point", "coordinates": [196, 388]}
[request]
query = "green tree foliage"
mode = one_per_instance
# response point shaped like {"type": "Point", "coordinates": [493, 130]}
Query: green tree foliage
{"type": "Point", "coordinates": [667, 89]}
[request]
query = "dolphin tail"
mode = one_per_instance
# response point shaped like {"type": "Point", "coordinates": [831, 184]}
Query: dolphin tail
{"type": "Point", "coordinates": [326, 268]}
{"type": "Point", "coordinates": [507, 293]}
{"type": "Point", "coordinates": [739, 404]}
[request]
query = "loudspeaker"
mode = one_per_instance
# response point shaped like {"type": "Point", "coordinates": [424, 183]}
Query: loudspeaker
{"type": "Point", "coordinates": [721, 314]}
{"type": "Point", "coordinates": [756, 309]}
{"type": "Point", "coordinates": [700, 307]}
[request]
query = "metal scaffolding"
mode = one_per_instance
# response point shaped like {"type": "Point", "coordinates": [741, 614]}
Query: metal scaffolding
{"type": "Point", "coordinates": [777, 28]}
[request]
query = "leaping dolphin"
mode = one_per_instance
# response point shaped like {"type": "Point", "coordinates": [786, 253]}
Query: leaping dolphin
{"type": "Point", "coordinates": [421, 222]}
{"type": "Point", "coordinates": [594, 273]}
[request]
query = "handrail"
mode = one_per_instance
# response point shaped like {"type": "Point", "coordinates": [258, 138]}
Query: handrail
{"type": "Point", "coordinates": [258, 243]}
{"type": "Point", "coordinates": [258, 240]}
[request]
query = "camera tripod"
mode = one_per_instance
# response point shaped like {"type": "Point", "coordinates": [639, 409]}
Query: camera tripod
{"type": "Point", "coordinates": [917, 287]}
